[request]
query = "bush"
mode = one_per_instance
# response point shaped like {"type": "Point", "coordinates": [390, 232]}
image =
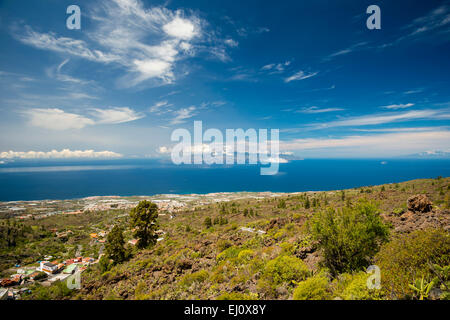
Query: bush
{"type": "Point", "coordinates": [246, 255]}
{"type": "Point", "coordinates": [398, 211]}
{"type": "Point", "coordinates": [198, 276]}
{"type": "Point", "coordinates": [286, 269]}
{"type": "Point", "coordinates": [223, 244]}
{"type": "Point", "coordinates": [349, 237]}
{"type": "Point", "coordinates": [229, 253]}
{"type": "Point", "coordinates": [104, 264]}
{"type": "Point", "coordinates": [409, 257]}
{"type": "Point", "coordinates": [56, 291]}
{"type": "Point", "coordinates": [207, 223]}
{"type": "Point", "coordinates": [354, 287]}
{"type": "Point", "coordinates": [313, 288]}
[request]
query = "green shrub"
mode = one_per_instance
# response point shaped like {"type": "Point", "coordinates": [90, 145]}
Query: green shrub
{"type": "Point", "coordinates": [207, 222]}
{"type": "Point", "coordinates": [198, 276]}
{"type": "Point", "coordinates": [409, 256]}
{"type": "Point", "coordinates": [229, 253]}
{"type": "Point", "coordinates": [354, 287]}
{"type": "Point", "coordinates": [104, 264]}
{"type": "Point", "coordinates": [246, 255]}
{"type": "Point", "coordinates": [286, 269]}
{"type": "Point", "coordinates": [313, 288]}
{"type": "Point", "coordinates": [282, 204]}
{"type": "Point", "coordinates": [349, 237]}
{"type": "Point", "coordinates": [223, 244]}
{"type": "Point", "coordinates": [56, 291]}
{"type": "Point", "coordinates": [398, 211]}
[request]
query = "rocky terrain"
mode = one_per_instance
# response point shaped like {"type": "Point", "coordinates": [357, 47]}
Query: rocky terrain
{"type": "Point", "coordinates": [259, 245]}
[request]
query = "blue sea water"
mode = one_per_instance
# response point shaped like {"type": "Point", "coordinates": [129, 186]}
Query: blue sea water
{"type": "Point", "coordinates": [38, 180]}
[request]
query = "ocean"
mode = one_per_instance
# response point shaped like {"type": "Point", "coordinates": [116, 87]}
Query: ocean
{"type": "Point", "coordinates": [64, 179]}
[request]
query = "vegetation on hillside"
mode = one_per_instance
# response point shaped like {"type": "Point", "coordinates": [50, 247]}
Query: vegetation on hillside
{"type": "Point", "coordinates": [314, 245]}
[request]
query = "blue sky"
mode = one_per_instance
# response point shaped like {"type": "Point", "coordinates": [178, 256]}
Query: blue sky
{"type": "Point", "coordinates": [137, 70]}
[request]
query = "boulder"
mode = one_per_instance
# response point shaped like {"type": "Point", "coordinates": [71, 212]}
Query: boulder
{"type": "Point", "coordinates": [419, 203]}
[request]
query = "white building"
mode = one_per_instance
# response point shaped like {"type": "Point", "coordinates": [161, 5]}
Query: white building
{"type": "Point", "coordinates": [47, 267]}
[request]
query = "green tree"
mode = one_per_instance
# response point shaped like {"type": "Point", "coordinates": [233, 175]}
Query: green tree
{"type": "Point", "coordinates": [104, 264]}
{"type": "Point", "coordinates": [307, 203]}
{"type": "Point", "coordinates": [114, 247]}
{"type": "Point", "coordinates": [144, 220]}
{"type": "Point", "coordinates": [207, 222]}
{"type": "Point", "coordinates": [350, 236]}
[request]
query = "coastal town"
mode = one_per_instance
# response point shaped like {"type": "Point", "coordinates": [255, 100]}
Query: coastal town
{"type": "Point", "coordinates": [169, 203]}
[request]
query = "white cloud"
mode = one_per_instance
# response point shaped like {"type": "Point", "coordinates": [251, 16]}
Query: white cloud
{"type": "Point", "coordinates": [398, 106]}
{"type": "Point", "coordinates": [145, 43]}
{"type": "Point", "coordinates": [314, 109]}
{"type": "Point", "coordinates": [275, 67]}
{"type": "Point", "coordinates": [385, 118]}
{"type": "Point", "coordinates": [181, 28]}
{"type": "Point", "coordinates": [276, 160]}
{"type": "Point", "coordinates": [152, 68]}
{"type": "Point", "coordinates": [116, 115]}
{"type": "Point", "coordinates": [161, 107]}
{"type": "Point", "coordinates": [49, 41]}
{"type": "Point", "coordinates": [231, 43]}
{"type": "Point", "coordinates": [54, 154]}
{"type": "Point", "coordinates": [220, 53]}
{"type": "Point", "coordinates": [404, 129]}
{"type": "Point", "coordinates": [183, 114]}
{"type": "Point", "coordinates": [300, 75]}
{"type": "Point", "coordinates": [435, 24]}
{"type": "Point", "coordinates": [164, 150]}
{"type": "Point", "coordinates": [389, 144]}
{"type": "Point", "coordinates": [56, 119]}
{"type": "Point", "coordinates": [346, 50]}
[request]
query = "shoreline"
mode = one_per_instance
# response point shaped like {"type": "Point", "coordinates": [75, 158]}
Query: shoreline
{"type": "Point", "coordinates": [208, 194]}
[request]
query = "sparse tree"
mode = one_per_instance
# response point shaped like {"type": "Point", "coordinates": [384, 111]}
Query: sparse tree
{"type": "Point", "coordinates": [207, 222]}
{"type": "Point", "coordinates": [144, 219]}
{"type": "Point", "coordinates": [307, 203]}
{"type": "Point", "coordinates": [114, 247]}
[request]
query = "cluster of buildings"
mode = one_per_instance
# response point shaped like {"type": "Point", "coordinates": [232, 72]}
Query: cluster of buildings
{"type": "Point", "coordinates": [47, 272]}
{"type": "Point", "coordinates": [109, 204]}
{"type": "Point", "coordinates": [169, 205]}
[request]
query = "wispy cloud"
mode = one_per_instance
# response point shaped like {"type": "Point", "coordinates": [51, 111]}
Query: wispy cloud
{"type": "Point", "coordinates": [56, 73]}
{"type": "Point", "coordinates": [403, 129]}
{"type": "Point", "coordinates": [300, 75]}
{"type": "Point", "coordinates": [398, 106]}
{"type": "Point", "coordinates": [232, 43]}
{"type": "Point", "coordinates": [357, 46]}
{"type": "Point", "coordinates": [376, 119]}
{"type": "Point", "coordinates": [58, 119]}
{"type": "Point", "coordinates": [274, 68]}
{"type": "Point", "coordinates": [116, 115]}
{"type": "Point", "coordinates": [183, 114]}
{"type": "Point", "coordinates": [161, 107]}
{"type": "Point", "coordinates": [389, 144]}
{"type": "Point", "coordinates": [435, 24]}
{"type": "Point", "coordinates": [315, 109]}
{"type": "Point", "coordinates": [120, 35]}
